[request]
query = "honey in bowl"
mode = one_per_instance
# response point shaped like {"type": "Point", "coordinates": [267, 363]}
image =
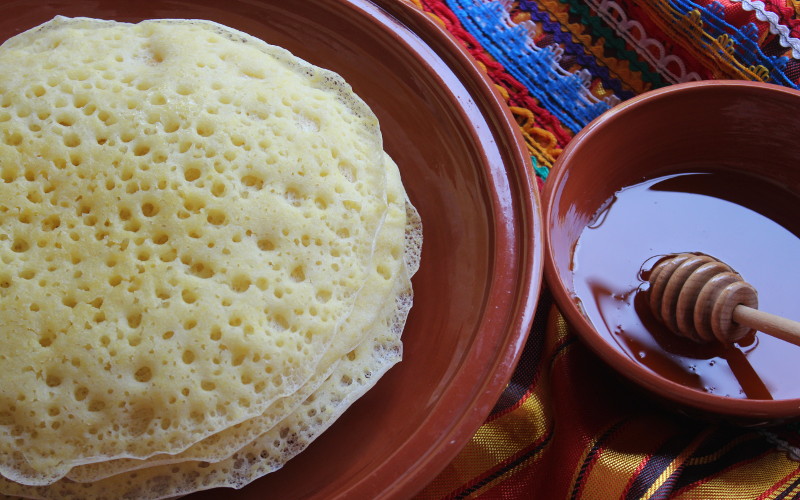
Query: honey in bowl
{"type": "Point", "coordinates": [741, 219]}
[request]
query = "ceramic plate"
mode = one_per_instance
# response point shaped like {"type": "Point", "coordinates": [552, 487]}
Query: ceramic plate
{"type": "Point", "coordinates": [466, 169]}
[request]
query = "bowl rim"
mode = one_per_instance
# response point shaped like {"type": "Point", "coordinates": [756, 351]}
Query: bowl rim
{"type": "Point", "coordinates": [514, 291]}
{"type": "Point", "coordinates": [711, 403]}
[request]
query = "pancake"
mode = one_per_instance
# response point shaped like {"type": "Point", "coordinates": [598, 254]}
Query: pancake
{"type": "Point", "coordinates": [394, 261]}
{"type": "Point", "coordinates": [197, 230]}
{"type": "Point", "coordinates": [353, 376]}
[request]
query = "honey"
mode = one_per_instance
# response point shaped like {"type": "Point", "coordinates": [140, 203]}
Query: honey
{"type": "Point", "coordinates": [747, 222]}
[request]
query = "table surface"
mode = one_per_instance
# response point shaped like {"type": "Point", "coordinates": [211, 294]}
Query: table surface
{"type": "Point", "coordinates": [566, 426]}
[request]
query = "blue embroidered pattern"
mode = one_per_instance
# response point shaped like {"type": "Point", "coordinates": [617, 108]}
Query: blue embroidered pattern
{"type": "Point", "coordinates": [563, 94]}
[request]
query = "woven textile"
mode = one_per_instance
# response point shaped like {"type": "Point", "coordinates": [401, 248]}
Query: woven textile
{"type": "Point", "coordinates": [567, 426]}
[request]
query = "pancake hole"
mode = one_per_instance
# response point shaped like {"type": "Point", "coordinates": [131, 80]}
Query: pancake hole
{"type": "Point", "coordinates": [80, 101]}
{"type": "Point", "coordinates": [293, 196]}
{"type": "Point", "coordinates": [134, 319]}
{"type": "Point", "coordinates": [201, 270]}
{"type": "Point", "coordinates": [72, 141]}
{"type": "Point", "coordinates": [194, 204]}
{"type": "Point", "coordinates": [192, 174]}
{"type": "Point", "coordinates": [81, 393]}
{"type": "Point", "coordinates": [298, 274]}
{"type": "Point", "coordinates": [47, 339]}
{"type": "Point", "coordinates": [207, 385]}
{"type": "Point", "coordinates": [9, 173]}
{"type": "Point", "coordinates": [218, 189]}
{"type": "Point", "coordinates": [240, 283]}
{"type": "Point", "coordinates": [169, 255]}
{"type": "Point", "coordinates": [188, 357]}
{"type": "Point", "coordinates": [53, 380]}
{"type": "Point", "coordinates": [149, 209]}
{"type": "Point", "coordinates": [205, 128]}
{"type": "Point", "coordinates": [96, 405]}
{"type": "Point", "coordinates": [189, 296]}
{"type": "Point", "coordinates": [143, 374]}
{"type": "Point", "coordinates": [266, 245]}
{"type": "Point", "coordinates": [171, 125]}
{"type": "Point", "coordinates": [253, 181]}
{"type": "Point", "coordinates": [20, 245]}
{"type": "Point", "coordinates": [281, 322]}
{"type": "Point", "coordinates": [216, 217]}
{"type": "Point", "coordinates": [216, 333]}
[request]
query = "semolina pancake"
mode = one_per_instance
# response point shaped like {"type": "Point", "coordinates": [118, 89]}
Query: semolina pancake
{"type": "Point", "coordinates": [391, 264]}
{"type": "Point", "coordinates": [189, 216]}
{"type": "Point", "coordinates": [352, 377]}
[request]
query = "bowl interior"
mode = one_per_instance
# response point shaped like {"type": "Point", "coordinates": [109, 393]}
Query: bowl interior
{"type": "Point", "coordinates": [464, 167]}
{"type": "Point", "coordinates": [722, 127]}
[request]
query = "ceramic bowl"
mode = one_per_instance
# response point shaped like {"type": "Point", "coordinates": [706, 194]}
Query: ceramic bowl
{"type": "Point", "coordinates": [465, 167]}
{"type": "Point", "coordinates": [726, 131]}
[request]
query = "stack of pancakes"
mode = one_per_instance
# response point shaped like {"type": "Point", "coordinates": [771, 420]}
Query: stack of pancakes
{"type": "Point", "coordinates": [206, 257]}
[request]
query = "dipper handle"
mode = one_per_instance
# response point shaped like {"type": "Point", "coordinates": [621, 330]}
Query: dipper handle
{"type": "Point", "coordinates": [775, 326]}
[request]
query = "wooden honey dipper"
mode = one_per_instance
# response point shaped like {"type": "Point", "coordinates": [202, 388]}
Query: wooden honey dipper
{"type": "Point", "coordinates": [701, 298]}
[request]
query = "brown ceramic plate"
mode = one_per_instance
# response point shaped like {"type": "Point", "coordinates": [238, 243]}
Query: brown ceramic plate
{"type": "Point", "coordinates": [466, 170]}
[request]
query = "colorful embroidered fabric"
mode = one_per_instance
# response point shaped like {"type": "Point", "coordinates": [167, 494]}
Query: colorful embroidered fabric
{"type": "Point", "coordinates": [567, 426]}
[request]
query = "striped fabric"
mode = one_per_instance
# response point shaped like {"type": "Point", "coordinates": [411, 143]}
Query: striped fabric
{"type": "Point", "coordinates": [567, 426]}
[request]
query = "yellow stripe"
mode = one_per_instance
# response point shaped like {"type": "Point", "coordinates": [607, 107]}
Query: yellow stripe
{"type": "Point", "coordinates": [747, 480]}
{"type": "Point", "coordinates": [714, 456]}
{"type": "Point", "coordinates": [677, 462]}
{"type": "Point", "coordinates": [623, 454]}
{"type": "Point", "coordinates": [495, 442]}
{"type": "Point", "coordinates": [507, 435]}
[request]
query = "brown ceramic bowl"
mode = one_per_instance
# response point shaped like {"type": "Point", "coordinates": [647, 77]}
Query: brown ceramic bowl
{"type": "Point", "coordinates": [725, 128]}
{"type": "Point", "coordinates": [466, 169]}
